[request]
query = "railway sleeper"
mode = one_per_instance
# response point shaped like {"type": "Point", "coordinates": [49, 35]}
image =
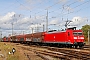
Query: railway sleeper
{"type": "Point", "coordinates": [44, 56]}
{"type": "Point", "coordinates": [54, 55]}
{"type": "Point", "coordinates": [85, 58]}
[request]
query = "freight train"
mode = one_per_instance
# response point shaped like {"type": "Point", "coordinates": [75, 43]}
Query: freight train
{"type": "Point", "coordinates": [69, 38]}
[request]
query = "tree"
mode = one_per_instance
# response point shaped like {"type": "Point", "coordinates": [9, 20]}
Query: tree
{"type": "Point", "coordinates": [85, 31]}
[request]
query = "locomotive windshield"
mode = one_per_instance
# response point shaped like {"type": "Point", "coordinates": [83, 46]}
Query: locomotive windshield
{"type": "Point", "coordinates": [77, 33]}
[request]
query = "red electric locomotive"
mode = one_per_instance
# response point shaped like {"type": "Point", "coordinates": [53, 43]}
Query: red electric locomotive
{"type": "Point", "coordinates": [70, 37]}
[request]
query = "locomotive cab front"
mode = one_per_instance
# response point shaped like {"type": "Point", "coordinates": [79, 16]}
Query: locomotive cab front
{"type": "Point", "coordinates": [76, 37]}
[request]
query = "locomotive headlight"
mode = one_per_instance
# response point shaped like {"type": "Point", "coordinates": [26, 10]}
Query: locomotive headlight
{"type": "Point", "coordinates": [68, 40]}
{"type": "Point", "coordinates": [75, 37]}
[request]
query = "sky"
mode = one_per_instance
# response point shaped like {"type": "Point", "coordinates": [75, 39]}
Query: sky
{"type": "Point", "coordinates": [23, 15]}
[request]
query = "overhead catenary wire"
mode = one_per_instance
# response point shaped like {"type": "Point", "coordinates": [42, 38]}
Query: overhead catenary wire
{"type": "Point", "coordinates": [23, 4]}
{"type": "Point", "coordinates": [46, 8]}
{"type": "Point", "coordinates": [68, 5]}
{"type": "Point", "coordinates": [50, 6]}
{"type": "Point", "coordinates": [72, 8]}
{"type": "Point", "coordinates": [39, 11]}
{"type": "Point", "coordinates": [77, 7]}
{"type": "Point", "coordinates": [64, 6]}
{"type": "Point", "coordinates": [59, 8]}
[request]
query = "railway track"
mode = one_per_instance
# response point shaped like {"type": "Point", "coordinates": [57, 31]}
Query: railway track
{"type": "Point", "coordinates": [50, 53]}
{"type": "Point", "coordinates": [75, 53]}
{"type": "Point", "coordinates": [61, 53]}
{"type": "Point", "coordinates": [87, 46]}
{"type": "Point", "coordinates": [83, 54]}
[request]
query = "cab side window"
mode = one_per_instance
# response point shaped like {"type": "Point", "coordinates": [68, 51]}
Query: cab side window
{"type": "Point", "coordinates": [68, 34]}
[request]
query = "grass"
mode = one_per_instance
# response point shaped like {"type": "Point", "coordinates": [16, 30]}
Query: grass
{"type": "Point", "coordinates": [87, 43]}
{"type": "Point", "coordinates": [5, 49]}
{"type": "Point", "coordinates": [12, 57]}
